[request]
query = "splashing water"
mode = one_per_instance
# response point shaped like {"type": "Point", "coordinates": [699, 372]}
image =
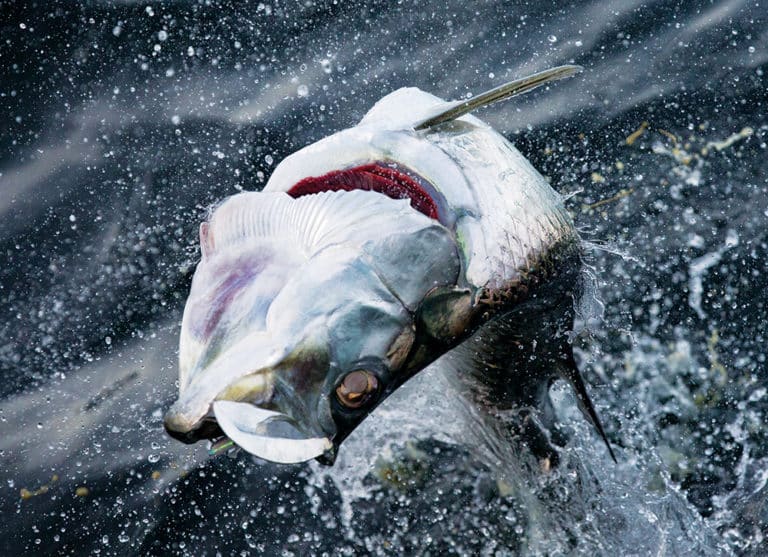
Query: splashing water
{"type": "Point", "coordinates": [124, 122]}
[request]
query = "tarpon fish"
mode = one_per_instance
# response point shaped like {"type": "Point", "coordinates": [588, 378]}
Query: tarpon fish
{"type": "Point", "coordinates": [367, 256]}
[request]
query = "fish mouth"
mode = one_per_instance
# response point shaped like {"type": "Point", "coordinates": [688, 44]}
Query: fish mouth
{"type": "Point", "coordinates": [179, 427]}
{"type": "Point", "coordinates": [267, 434]}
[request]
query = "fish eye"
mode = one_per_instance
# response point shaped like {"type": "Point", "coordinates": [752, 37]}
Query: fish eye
{"type": "Point", "coordinates": [356, 388]}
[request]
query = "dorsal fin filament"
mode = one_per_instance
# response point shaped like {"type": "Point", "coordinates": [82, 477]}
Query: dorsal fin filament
{"type": "Point", "coordinates": [506, 91]}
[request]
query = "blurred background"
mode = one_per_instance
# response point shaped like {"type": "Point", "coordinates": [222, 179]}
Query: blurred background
{"type": "Point", "coordinates": [123, 121]}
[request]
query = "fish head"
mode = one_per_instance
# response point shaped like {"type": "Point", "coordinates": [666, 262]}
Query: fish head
{"type": "Point", "coordinates": [304, 314]}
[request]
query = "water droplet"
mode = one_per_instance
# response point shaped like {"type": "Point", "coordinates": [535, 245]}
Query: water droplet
{"type": "Point", "coordinates": [552, 38]}
{"type": "Point", "coordinates": [303, 90]}
{"type": "Point", "coordinates": [153, 458]}
{"type": "Point", "coordinates": [162, 35]}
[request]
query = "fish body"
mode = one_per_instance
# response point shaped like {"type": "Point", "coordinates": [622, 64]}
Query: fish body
{"type": "Point", "coordinates": [367, 256]}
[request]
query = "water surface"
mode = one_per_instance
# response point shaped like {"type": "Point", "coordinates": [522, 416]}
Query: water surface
{"type": "Point", "coordinates": [123, 122]}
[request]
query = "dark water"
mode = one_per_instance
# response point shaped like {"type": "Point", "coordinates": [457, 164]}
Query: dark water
{"type": "Point", "coordinates": [122, 122]}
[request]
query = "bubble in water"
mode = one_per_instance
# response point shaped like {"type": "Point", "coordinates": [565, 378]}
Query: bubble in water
{"type": "Point", "coordinates": [162, 36]}
{"type": "Point", "coordinates": [303, 90]}
{"type": "Point", "coordinates": [153, 458]}
{"type": "Point", "coordinates": [552, 38]}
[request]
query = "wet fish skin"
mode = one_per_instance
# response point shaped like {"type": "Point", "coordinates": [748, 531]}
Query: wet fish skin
{"type": "Point", "coordinates": [307, 282]}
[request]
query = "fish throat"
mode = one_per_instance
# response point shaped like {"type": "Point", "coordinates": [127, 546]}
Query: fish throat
{"type": "Point", "coordinates": [384, 178]}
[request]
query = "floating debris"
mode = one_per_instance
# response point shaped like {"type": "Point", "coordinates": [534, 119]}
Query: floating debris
{"type": "Point", "coordinates": [669, 135]}
{"type": "Point", "coordinates": [622, 193]}
{"type": "Point", "coordinates": [727, 142]}
{"type": "Point", "coordinates": [631, 138]}
{"type": "Point", "coordinates": [82, 491]}
{"type": "Point", "coordinates": [25, 494]}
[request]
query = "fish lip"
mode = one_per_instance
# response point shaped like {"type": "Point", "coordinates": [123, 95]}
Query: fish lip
{"type": "Point", "coordinates": [205, 428]}
{"type": "Point", "coordinates": [256, 431]}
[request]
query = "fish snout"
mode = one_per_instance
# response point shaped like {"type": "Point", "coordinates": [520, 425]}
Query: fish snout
{"type": "Point", "coordinates": [190, 428]}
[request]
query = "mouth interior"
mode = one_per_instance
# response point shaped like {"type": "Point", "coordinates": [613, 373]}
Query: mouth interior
{"type": "Point", "coordinates": [379, 177]}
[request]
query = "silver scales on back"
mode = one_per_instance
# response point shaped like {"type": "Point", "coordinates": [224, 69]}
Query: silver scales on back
{"type": "Point", "coordinates": [368, 256]}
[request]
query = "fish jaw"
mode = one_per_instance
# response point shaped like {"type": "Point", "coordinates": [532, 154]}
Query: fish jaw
{"type": "Point", "coordinates": [270, 435]}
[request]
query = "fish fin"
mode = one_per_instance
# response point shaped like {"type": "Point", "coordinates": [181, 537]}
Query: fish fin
{"type": "Point", "coordinates": [508, 90]}
{"type": "Point", "coordinates": [309, 223]}
{"type": "Point", "coordinates": [571, 373]}
{"type": "Point", "coordinates": [445, 313]}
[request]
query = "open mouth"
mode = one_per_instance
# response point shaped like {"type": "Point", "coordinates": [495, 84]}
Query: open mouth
{"type": "Point", "coordinates": [208, 429]}
{"type": "Point", "coordinates": [386, 178]}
